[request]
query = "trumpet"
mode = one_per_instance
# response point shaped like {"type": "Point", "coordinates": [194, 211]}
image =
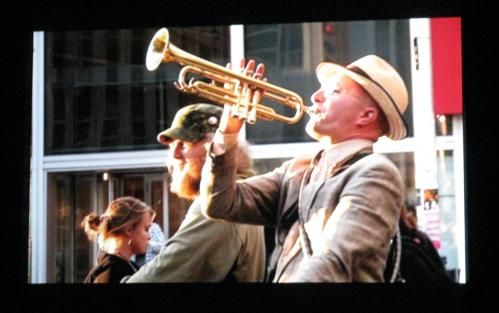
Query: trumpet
{"type": "Point", "coordinates": [246, 95]}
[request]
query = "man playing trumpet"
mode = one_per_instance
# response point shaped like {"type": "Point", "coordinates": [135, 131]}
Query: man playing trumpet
{"type": "Point", "coordinates": [335, 211]}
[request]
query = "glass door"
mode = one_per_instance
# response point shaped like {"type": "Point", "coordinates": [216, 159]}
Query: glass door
{"type": "Point", "coordinates": [156, 196]}
{"type": "Point", "coordinates": [70, 255]}
{"type": "Point", "coordinates": [149, 188]}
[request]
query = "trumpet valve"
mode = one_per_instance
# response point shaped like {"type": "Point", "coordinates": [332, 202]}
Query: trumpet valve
{"type": "Point", "coordinates": [234, 110]}
{"type": "Point", "coordinates": [251, 119]}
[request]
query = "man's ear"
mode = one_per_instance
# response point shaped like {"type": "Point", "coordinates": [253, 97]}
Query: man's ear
{"type": "Point", "coordinates": [367, 116]}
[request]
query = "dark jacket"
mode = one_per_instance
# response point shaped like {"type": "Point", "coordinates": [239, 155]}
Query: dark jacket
{"type": "Point", "coordinates": [420, 261]}
{"type": "Point", "coordinates": [109, 269]}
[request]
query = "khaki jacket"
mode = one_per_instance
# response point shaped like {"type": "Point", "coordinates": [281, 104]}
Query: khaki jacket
{"type": "Point", "coordinates": [204, 250]}
{"type": "Point", "coordinates": [349, 213]}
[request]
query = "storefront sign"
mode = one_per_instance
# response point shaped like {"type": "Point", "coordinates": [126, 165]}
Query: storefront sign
{"type": "Point", "coordinates": [431, 216]}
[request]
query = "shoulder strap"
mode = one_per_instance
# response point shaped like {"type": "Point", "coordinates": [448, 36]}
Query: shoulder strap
{"type": "Point", "coordinates": [357, 157]}
{"type": "Point", "coordinates": [396, 247]}
{"type": "Point", "coordinates": [352, 160]}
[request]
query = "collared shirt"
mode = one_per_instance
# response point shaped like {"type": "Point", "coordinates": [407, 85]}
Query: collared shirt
{"type": "Point", "coordinates": [335, 155]}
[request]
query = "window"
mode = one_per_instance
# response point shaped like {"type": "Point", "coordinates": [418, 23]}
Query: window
{"type": "Point", "coordinates": [291, 53]}
{"type": "Point", "coordinates": [99, 95]}
{"type": "Point", "coordinates": [443, 125]}
{"type": "Point", "coordinates": [448, 212]}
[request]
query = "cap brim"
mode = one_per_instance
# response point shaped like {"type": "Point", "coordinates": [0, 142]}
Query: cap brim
{"type": "Point", "coordinates": [168, 136]}
{"type": "Point", "coordinates": [398, 130]}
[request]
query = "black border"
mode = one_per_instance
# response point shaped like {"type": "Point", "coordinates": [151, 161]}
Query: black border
{"type": "Point", "coordinates": [480, 168]}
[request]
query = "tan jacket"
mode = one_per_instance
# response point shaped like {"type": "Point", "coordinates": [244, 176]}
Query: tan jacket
{"type": "Point", "coordinates": [349, 217]}
{"type": "Point", "coordinates": [204, 250]}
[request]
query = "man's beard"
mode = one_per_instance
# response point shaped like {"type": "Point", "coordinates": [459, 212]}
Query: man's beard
{"type": "Point", "coordinates": [186, 177]}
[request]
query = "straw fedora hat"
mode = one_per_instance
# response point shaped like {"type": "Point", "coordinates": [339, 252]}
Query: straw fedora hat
{"type": "Point", "coordinates": [381, 81]}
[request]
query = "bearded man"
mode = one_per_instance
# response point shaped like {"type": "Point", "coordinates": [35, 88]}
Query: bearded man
{"type": "Point", "coordinates": [202, 250]}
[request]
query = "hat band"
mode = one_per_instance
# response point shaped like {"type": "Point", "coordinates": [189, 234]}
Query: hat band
{"type": "Point", "coordinates": [359, 71]}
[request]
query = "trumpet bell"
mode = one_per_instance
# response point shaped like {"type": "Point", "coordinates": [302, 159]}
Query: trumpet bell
{"type": "Point", "coordinates": [157, 49]}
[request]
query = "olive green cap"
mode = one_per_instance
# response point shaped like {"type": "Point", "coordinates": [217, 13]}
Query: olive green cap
{"type": "Point", "coordinates": [192, 123]}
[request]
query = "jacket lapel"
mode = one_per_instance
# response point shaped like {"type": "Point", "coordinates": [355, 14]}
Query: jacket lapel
{"type": "Point", "coordinates": [291, 249]}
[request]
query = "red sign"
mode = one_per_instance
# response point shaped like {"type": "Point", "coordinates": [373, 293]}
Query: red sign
{"type": "Point", "coordinates": [447, 65]}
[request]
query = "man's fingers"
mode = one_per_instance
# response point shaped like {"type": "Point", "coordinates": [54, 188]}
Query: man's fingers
{"type": "Point", "coordinates": [242, 64]}
{"type": "Point", "coordinates": [250, 67]}
{"type": "Point", "coordinates": [260, 69]}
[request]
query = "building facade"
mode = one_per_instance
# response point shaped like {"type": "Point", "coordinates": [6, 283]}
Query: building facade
{"type": "Point", "coordinates": [97, 110]}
